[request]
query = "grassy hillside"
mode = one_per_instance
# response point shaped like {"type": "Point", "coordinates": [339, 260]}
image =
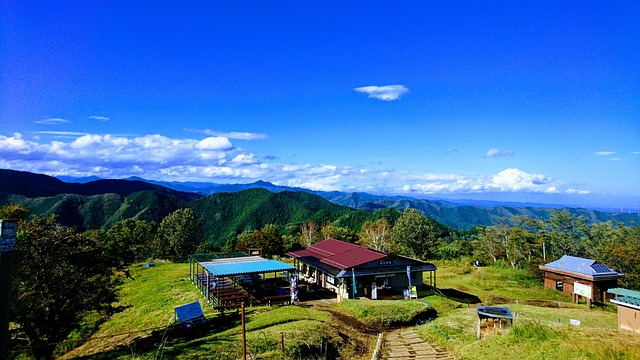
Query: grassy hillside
{"type": "Point", "coordinates": [541, 329]}
{"type": "Point", "coordinates": [147, 307]}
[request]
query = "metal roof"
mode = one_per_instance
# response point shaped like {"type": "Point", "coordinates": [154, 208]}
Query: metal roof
{"type": "Point", "coordinates": [333, 247]}
{"type": "Point", "coordinates": [581, 266]}
{"type": "Point", "coordinates": [353, 257]}
{"type": "Point", "coordinates": [494, 312]}
{"type": "Point", "coordinates": [338, 254]}
{"type": "Point", "coordinates": [625, 292]}
{"type": "Point", "coordinates": [244, 265]}
{"type": "Point", "coordinates": [627, 301]}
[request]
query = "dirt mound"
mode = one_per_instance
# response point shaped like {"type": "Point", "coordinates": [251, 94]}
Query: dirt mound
{"type": "Point", "coordinates": [542, 303]}
{"type": "Point", "coordinates": [497, 300]}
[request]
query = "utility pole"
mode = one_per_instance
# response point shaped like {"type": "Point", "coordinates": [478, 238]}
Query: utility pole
{"type": "Point", "coordinates": [8, 230]}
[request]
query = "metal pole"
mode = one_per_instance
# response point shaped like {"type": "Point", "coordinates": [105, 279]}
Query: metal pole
{"type": "Point", "coordinates": [8, 230]}
{"type": "Point", "coordinates": [244, 336]}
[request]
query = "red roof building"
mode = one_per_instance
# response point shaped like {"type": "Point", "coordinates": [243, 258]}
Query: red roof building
{"type": "Point", "coordinates": [338, 266]}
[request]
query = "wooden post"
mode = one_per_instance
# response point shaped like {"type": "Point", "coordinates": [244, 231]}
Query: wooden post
{"type": "Point", "coordinates": [8, 230]}
{"type": "Point", "coordinates": [244, 336]}
{"type": "Point", "coordinates": [282, 341]}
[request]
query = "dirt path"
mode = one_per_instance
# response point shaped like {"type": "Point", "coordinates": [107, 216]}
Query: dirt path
{"type": "Point", "coordinates": [404, 343]}
{"type": "Point", "coordinates": [399, 344]}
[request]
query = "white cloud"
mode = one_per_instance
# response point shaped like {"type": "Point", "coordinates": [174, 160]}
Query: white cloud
{"type": "Point", "coordinates": [614, 159]}
{"type": "Point", "coordinates": [518, 180]}
{"type": "Point", "coordinates": [214, 143]}
{"type": "Point", "coordinates": [216, 159]}
{"type": "Point", "coordinates": [494, 152]}
{"type": "Point", "coordinates": [52, 121]}
{"type": "Point", "coordinates": [508, 180]}
{"type": "Point", "coordinates": [61, 133]}
{"type": "Point", "coordinates": [387, 92]}
{"type": "Point", "coordinates": [237, 135]}
{"type": "Point", "coordinates": [99, 118]}
{"type": "Point", "coordinates": [604, 153]}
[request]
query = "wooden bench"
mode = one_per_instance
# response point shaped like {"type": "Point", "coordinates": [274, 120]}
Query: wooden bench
{"type": "Point", "coordinates": [278, 298]}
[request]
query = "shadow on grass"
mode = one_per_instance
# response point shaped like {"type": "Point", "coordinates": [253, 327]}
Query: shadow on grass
{"type": "Point", "coordinates": [175, 335]}
{"type": "Point", "coordinates": [460, 296]}
{"type": "Point", "coordinates": [315, 292]}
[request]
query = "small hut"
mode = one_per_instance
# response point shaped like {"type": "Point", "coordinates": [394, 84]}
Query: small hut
{"type": "Point", "coordinates": [580, 278]}
{"type": "Point", "coordinates": [493, 321]}
{"type": "Point", "coordinates": [628, 302]}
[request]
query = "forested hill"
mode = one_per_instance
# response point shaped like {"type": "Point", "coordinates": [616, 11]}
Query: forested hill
{"type": "Point", "coordinates": [101, 203]}
{"type": "Point", "coordinates": [464, 217]}
{"type": "Point", "coordinates": [93, 206]}
{"type": "Point", "coordinates": [37, 185]}
{"type": "Point", "coordinates": [225, 214]}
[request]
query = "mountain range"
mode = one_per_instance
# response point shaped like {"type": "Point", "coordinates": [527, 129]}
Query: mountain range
{"type": "Point", "coordinates": [91, 203]}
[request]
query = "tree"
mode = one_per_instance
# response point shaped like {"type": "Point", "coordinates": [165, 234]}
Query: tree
{"type": "Point", "coordinates": [487, 243]}
{"type": "Point", "coordinates": [567, 231]}
{"type": "Point", "coordinates": [130, 241]}
{"type": "Point", "coordinates": [376, 235]}
{"type": "Point", "coordinates": [179, 234]}
{"type": "Point", "coordinates": [330, 231]}
{"type": "Point", "coordinates": [14, 212]}
{"type": "Point", "coordinates": [309, 234]}
{"type": "Point", "coordinates": [60, 276]}
{"type": "Point", "coordinates": [415, 235]}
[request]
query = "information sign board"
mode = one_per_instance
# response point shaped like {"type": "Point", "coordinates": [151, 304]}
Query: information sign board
{"type": "Point", "coordinates": [582, 290]}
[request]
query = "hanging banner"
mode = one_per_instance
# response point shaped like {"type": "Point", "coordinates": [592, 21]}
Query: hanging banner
{"type": "Point", "coordinates": [355, 291]}
{"type": "Point", "coordinates": [409, 275]}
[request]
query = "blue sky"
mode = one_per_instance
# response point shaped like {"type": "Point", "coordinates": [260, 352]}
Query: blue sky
{"type": "Point", "coordinates": [465, 99]}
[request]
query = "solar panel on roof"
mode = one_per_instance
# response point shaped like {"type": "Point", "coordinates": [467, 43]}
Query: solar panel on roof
{"type": "Point", "coordinates": [600, 268]}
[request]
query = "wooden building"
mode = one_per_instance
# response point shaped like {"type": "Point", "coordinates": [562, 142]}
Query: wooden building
{"type": "Point", "coordinates": [581, 278]}
{"type": "Point", "coordinates": [229, 279]}
{"type": "Point", "coordinates": [628, 302]}
{"type": "Point", "coordinates": [352, 270]}
{"type": "Point", "coordinates": [493, 321]}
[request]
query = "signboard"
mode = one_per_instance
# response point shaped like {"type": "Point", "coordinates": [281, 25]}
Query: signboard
{"type": "Point", "coordinates": [8, 235]}
{"type": "Point", "coordinates": [413, 293]}
{"type": "Point", "coordinates": [331, 280]}
{"type": "Point", "coordinates": [582, 290]}
{"type": "Point", "coordinates": [189, 312]}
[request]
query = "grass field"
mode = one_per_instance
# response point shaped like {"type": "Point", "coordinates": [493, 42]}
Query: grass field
{"type": "Point", "coordinates": [541, 328]}
{"type": "Point", "coordinates": [139, 329]}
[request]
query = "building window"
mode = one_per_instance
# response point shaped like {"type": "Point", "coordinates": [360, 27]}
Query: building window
{"type": "Point", "coordinates": [559, 285]}
{"type": "Point", "coordinates": [385, 262]}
